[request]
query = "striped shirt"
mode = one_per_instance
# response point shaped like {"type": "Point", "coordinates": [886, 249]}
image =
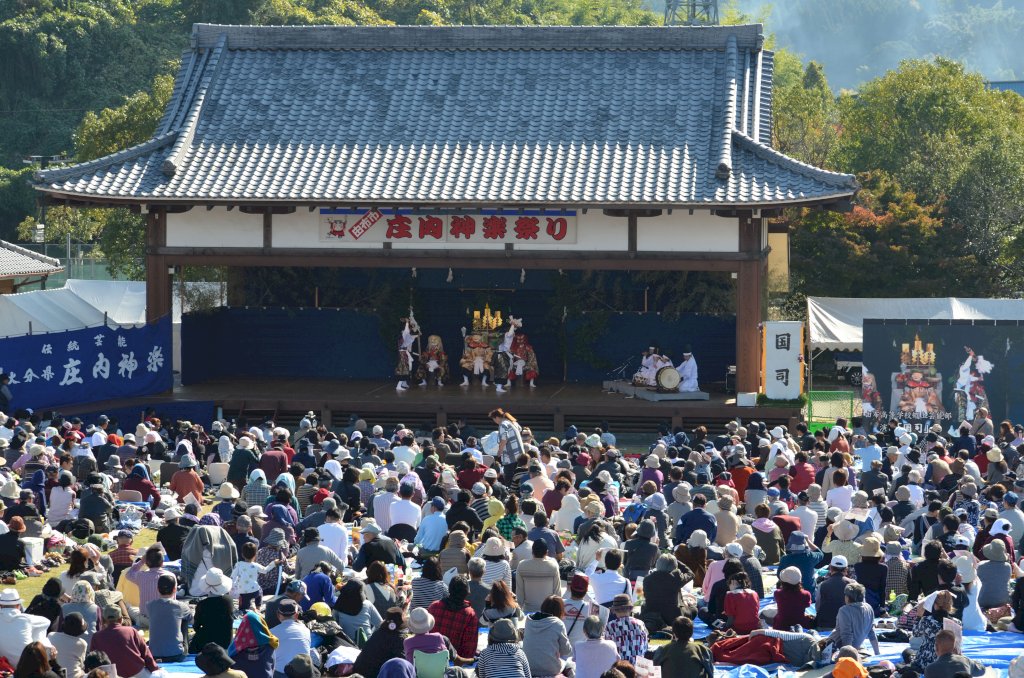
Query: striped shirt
{"type": "Point", "coordinates": [426, 591]}
{"type": "Point", "coordinates": [629, 635]}
{"type": "Point", "coordinates": [497, 570]}
{"type": "Point", "coordinates": [382, 509]}
{"type": "Point", "coordinates": [146, 581]}
{"type": "Point", "coordinates": [503, 660]}
{"type": "Point", "coordinates": [305, 496]}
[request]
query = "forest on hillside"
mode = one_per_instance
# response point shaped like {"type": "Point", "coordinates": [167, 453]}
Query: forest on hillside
{"type": "Point", "coordinates": [939, 155]}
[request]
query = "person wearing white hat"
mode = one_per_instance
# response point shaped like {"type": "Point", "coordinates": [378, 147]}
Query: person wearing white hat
{"type": "Point", "coordinates": [19, 628]}
{"type": "Point", "coordinates": [687, 369]}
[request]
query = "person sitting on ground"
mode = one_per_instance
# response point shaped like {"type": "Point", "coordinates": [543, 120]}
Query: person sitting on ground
{"type": "Point", "coordinates": [428, 587]}
{"type": "Point", "coordinates": [357, 616]}
{"type": "Point", "coordinates": [173, 534]}
{"type": "Point", "coordinates": [854, 622]}
{"type": "Point", "coordinates": [791, 601]}
{"type": "Point", "coordinates": [663, 594]}
{"type": "Point", "coordinates": [456, 618]}
{"type": "Point", "coordinates": [949, 663]}
{"type": "Point", "coordinates": [503, 657]}
{"type": "Point", "coordinates": [214, 612]}
{"type": "Point", "coordinates": [742, 605]}
{"type": "Point", "coordinates": [376, 548]}
{"type": "Point", "coordinates": [425, 639]}
{"type": "Point", "coordinates": [934, 612]}
{"type": "Point", "coordinates": [545, 641]}
{"type": "Point", "coordinates": [214, 661]}
{"type": "Point", "coordinates": [125, 646]}
{"type": "Point", "coordinates": [169, 621]}
{"type": "Point", "coordinates": [70, 645]}
{"type": "Point", "coordinates": [595, 654]}
{"type": "Point", "coordinates": [629, 633]}
{"type": "Point", "coordinates": [683, 657]}
{"type": "Point", "coordinates": [386, 642]}
{"type": "Point", "coordinates": [35, 662]}
{"type": "Point", "coordinates": [830, 596]}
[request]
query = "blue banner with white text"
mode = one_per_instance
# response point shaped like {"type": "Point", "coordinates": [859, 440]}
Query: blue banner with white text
{"type": "Point", "coordinates": [88, 365]}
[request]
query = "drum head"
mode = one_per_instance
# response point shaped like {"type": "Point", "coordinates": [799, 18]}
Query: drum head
{"type": "Point", "coordinates": [668, 378]}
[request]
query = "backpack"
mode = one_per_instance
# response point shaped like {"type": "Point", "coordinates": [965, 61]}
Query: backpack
{"type": "Point", "coordinates": [634, 513]}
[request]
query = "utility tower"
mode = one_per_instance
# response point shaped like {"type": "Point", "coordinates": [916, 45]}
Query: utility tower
{"type": "Point", "coordinates": [691, 12]}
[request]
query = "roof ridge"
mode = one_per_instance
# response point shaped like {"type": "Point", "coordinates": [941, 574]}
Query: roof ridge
{"type": "Point", "coordinates": [181, 82]}
{"type": "Point", "coordinates": [724, 167]}
{"type": "Point", "coordinates": [466, 38]}
{"type": "Point", "coordinates": [839, 179]}
{"type": "Point", "coordinates": [188, 131]}
{"type": "Point", "coordinates": [57, 174]}
{"type": "Point", "coordinates": [24, 251]}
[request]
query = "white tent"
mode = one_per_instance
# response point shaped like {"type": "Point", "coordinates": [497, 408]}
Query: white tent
{"type": "Point", "coordinates": [80, 303]}
{"type": "Point", "coordinates": [836, 323]}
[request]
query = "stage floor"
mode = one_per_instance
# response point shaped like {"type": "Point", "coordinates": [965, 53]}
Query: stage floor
{"type": "Point", "coordinates": [547, 408]}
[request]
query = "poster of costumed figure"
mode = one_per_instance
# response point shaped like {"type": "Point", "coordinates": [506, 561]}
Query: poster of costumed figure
{"type": "Point", "coordinates": [524, 363]}
{"type": "Point", "coordinates": [433, 362]}
{"type": "Point", "coordinates": [969, 390]}
{"type": "Point", "coordinates": [410, 332]}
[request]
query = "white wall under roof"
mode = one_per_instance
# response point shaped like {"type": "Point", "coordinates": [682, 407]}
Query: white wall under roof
{"type": "Point", "coordinates": [597, 232]}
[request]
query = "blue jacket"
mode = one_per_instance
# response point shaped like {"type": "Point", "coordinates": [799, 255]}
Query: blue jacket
{"type": "Point", "coordinates": [696, 519]}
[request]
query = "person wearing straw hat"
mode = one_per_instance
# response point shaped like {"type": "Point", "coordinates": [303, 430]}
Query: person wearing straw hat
{"type": "Point", "coordinates": [214, 612]}
{"type": "Point", "coordinates": [871, 572]}
{"type": "Point", "coordinates": [227, 495]}
{"type": "Point", "coordinates": [839, 540]}
{"type": "Point", "coordinates": [425, 639]}
{"type": "Point", "coordinates": [971, 614]}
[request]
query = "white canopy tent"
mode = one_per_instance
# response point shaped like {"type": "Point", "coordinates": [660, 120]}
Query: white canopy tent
{"type": "Point", "coordinates": [837, 323]}
{"type": "Point", "coordinates": [80, 303]}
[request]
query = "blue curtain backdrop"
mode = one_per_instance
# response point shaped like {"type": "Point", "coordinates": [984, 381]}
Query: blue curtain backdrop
{"type": "Point", "coordinates": [89, 365]}
{"type": "Point", "coordinates": [342, 344]}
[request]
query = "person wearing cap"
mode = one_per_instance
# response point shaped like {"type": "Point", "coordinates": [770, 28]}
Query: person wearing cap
{"type": "Point", "coordinates": [1013, 515]}
{"type": "Point", "coordinates": [124, 645]}
{"type": "Point", "coordinates": [376, 547]}
{"type": "Point", "coordinates": [830, 594]}
{"type": "Point", "coordinates": [433, 528]}
{"type": "Point", "coordinates": [293, 637]}
{"type": "Point", "coordinates": [173, 534]}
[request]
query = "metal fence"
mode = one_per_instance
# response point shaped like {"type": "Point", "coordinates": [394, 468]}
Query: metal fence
{"type": "Point", "coordinates": [824, 407]}
{"type": "Point", "coordinates": [85, 262]}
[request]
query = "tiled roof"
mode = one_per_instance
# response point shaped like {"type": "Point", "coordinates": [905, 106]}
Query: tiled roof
{"type": "Point", "coordinates": [603, 116]}
{"type": "Point", "coordinates": [17, 262]}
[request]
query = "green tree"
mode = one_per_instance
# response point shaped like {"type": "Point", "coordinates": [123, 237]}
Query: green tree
{"type": "Point", "coordinates": [804, 111]}
{"type": "Point", "coordinates": [17, 199]}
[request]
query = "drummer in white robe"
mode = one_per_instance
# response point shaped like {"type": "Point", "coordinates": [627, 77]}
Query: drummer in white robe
{"type": "Point", "coordinates": [687, 374]}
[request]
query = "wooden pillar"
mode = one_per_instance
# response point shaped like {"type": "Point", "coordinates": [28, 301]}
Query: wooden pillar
{"type": "Point", "coordinates": [750, 304]}
{"type": "Point", "coordinates": [158, 281]}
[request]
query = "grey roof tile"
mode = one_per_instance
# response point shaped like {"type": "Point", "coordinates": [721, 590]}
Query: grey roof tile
{"type": "Point", "coordinates": [499, 115]}
{"type": "Point", "coordinates": [16, 262]}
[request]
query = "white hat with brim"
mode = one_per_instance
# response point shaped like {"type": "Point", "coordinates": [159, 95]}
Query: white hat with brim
{"type": "Point", "coordinates": [790, 575]}
{"type": "Point", "coordinates": [255, 512]}
{"type": "Point", "coordinates": [844, 530]}
{"type": "Point", "coordinates": [420, 621]}
{"type": "Point", "coordinates": [9, 490]}
{"type": "Point", "coordinates": [216, 583]}
{"type": "Point", "coordinates": [9, 597]}
{"type": "Point", "coordinates": [245, 443]}
{"type": "Point", "coordinates": [493, 547]}
{"type": "Point", "coordinates": [370, 528]}
{"type": "Point", "coordinates": [171, 514]}
{"type": "Point", "coordinates": [227, 491]}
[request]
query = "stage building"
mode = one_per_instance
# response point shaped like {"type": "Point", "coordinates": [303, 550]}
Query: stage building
{"type": "Point", "coordinates": [495, 150]}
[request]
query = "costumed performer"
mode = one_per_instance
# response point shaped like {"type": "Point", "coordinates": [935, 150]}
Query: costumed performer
{"type": "Point", "coordinates": [970, 385]}
{"type": "Point", "coordinates": [502, 360]}
{"type": "Point", "coordinates": [405, 354]}
{"type": "Point", "coordinates": [651, 362]}
{"type": "Point", "coordinates": [433, 362]}
{"type": "Point", "coordinates": [476, 358]}
{"type": "Point", "coordinates": [688, 373]}
{"type": "Point", "coordinates": [524, 363]}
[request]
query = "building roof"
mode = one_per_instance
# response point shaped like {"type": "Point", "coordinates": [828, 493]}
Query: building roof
{"type": "Point", "coordinates": [506, 115]}
{"type": "Point", "coordinates": [1008, 85]}
{"type": "Point", "coordinates": [18, 262]}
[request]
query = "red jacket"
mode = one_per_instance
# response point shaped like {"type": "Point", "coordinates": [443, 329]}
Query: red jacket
{"type": "Point", "coordinates": [803, 477]}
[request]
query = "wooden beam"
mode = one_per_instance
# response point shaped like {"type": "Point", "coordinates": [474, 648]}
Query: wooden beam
{"type": "Point", "coordinates": [750, 287]}
{"type": "Point", "coordinates": [497, 259]}
{"type": "Point", "coordinates": [268, 231]}
{"type": "Point", "coordinates": [631, 229]}
{"type": "Point", "coordinates": [158, 281]}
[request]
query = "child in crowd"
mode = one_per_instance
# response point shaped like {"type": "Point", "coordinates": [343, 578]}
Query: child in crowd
{"type": "Point", "coordinates": [245, 578]}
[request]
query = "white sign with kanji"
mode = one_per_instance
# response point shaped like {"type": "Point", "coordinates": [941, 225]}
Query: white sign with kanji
{"type": "Point", "coordinates": [783, 360]}
{"type": "Point", "coordinates": [359, 228]}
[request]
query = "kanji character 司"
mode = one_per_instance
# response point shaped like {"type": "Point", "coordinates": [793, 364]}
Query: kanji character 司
{"type": "Point", "coordinates": [527, 228]}
{"type": "Point", "coordinates": [464, 226]}
{"type": "Point", "coordinates": [557, 227]}
{"type": "Point", "coordinates": [431, 227]}
{"type": "Point", "coordinates": [495, 227]}
{"type": "Point", "coordinates": [399, 226]}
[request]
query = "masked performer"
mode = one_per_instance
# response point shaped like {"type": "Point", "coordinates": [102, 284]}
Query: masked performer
{"type": "Point", "coordinates": [688, 374]}
{"type": "Point", "coordinates": [524, 362]}
{"type": "Point", "coordinates": [476, 358]}
{"type": "Point", "coordinates": [405, 353]}
{"type": "Point", "coordinates": [433, 362]}
{"type": "Point", "coordinates": [501, 363]}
